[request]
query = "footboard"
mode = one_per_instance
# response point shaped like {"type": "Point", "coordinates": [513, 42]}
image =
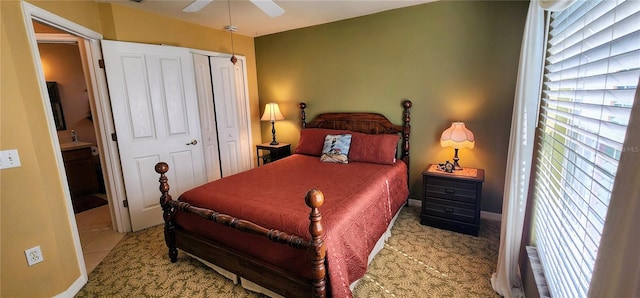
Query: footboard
{"type": "Point", "coordinates": [316, 247]}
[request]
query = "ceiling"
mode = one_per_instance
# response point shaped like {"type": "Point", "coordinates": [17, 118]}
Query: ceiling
{"type": "Point", "coordinates": [251, 21]}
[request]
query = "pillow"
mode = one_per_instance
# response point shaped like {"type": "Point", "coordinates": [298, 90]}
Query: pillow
{"type": "Point", "coordinates": [312, 140]}
{"type": "Point", "coordinates": [336, 148]}
{"type": "Point", "coordinates": [379, 148]}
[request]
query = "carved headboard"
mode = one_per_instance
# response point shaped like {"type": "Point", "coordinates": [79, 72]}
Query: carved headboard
{"type": "Point", "coordinates": [371, 123]}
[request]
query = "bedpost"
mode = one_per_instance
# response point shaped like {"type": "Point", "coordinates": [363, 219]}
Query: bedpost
{"type": "Point", "coordinates": [167, 211]}
{"type": "Point", "coordinates": [303, 115]}
{"type": "Point", "coordinates": [405, 137]}
{"type": "Point", "coordinates": [314, 199]}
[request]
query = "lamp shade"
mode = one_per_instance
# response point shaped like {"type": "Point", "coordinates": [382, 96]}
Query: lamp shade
{"type": "Point", "coordinates": [457, 136]}
{"type": "Point", "coordinates": [272, 113]}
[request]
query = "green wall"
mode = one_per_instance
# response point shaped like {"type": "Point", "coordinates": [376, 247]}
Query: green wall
{"type": "Point", "coordinates": [456, 60]}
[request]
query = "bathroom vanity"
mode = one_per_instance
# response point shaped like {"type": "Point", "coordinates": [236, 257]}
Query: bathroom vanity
{"type": "Point", "coordinates": [80, 168]}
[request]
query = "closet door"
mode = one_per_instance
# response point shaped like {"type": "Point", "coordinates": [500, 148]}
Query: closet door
{"type": "Point", "coordinates": [155, 113]}
{"type": "Point", "coordinates": [231, 115]}
{"type": "Point", "coordinates": [207, 117]}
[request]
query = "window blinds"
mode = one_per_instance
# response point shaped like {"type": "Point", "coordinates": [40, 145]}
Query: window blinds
{"type": "Point", "coordinates": [592, 69]}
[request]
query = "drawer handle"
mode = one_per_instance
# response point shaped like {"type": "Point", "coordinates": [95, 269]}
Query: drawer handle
{"type": "Point", "coordinates": [448, 210]}
{"type": "Point", "coordinates": [450, 191]}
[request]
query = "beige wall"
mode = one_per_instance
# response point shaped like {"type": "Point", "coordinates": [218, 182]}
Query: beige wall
{"type": "Point", "coordinates": [456, 60]}
{"type": "Point", "coordinates": [33, 208]}
{"type": "Point", "coordinates": [61, 64]}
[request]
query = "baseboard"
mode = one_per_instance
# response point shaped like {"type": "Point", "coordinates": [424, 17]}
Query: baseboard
{"type": "Point", "coordinates": [415, 202]}
{"type": "Point", "coordinates": [74, 288]}
{"type": "Point", "coordinates": [483, 214]}
{"type": "Point", "coordinates": [491, 216]}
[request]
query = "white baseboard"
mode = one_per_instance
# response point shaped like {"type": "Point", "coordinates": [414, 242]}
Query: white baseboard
{"type": "Point", "coordinates": [491, 216]}
{"type": "Point", "coordinates": [74, 288]}
{"type": "Point", "coordinates": [483, 214]}
{"type": "Point", "coordinates": [415, 203]}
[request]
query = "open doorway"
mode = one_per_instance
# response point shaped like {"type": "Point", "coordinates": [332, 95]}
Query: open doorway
{"type": "Point", "coordinates": [88, 43]}
{"type": "Point", "coordinates": [62, 63]}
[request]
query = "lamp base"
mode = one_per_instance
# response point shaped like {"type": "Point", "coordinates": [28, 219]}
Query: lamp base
{"type": "Point", "coordinates": [273, 133]}
{"type": "Point", "coordinates": [456, 165]}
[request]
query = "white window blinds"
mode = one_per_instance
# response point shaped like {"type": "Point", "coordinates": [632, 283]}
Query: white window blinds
{"type": "Point", "coordinates": [591, 75]}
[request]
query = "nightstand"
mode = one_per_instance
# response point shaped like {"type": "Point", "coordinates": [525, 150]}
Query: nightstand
{"type": "Point", "coordinates": [452, 200]}
{"type": "Point", "coordinates": [274, 152]}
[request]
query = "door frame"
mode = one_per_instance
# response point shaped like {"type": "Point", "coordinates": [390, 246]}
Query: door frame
{"type": "Point", "coordinates": [100, 105]}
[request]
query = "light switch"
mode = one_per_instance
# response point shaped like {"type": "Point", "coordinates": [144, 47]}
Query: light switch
{"type": "Point", "coordinates": [9, 159]}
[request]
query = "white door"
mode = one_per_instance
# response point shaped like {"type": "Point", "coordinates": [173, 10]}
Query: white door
{"type": "Point", "coordinates": [207, 116]}
{"type": "Point", "coordinates": [155, 111]}
{"type": "Point", "coordinates": [231, 115]}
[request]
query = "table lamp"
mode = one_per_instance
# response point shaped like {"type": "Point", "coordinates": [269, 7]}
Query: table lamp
{"type": "Point", "coordinates": [457, 136]}
{"type": "Point", "coordinates": [272, 114]}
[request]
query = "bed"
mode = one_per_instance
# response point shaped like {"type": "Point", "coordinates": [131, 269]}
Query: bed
{"type": "Point", "coordinates": [299, 226]}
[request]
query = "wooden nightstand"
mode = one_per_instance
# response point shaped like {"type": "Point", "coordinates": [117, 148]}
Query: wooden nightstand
{"type": "Point", "coordinates": [452, 200]}
{"type": "Point", "coordinates": [274, 152]}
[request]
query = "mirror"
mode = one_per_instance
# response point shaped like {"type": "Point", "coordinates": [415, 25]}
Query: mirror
{"type": "Point", "coordinates": [56, 106]}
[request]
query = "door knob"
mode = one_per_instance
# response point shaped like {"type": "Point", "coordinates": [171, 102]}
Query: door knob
{"type": "Point", "coordinates": [193, 142]}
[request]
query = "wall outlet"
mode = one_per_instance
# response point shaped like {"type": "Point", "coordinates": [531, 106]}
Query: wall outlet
{"type": "Point", "coordinates": [34, 255]}
{"type": "Point", "coordinates": [9, 159]}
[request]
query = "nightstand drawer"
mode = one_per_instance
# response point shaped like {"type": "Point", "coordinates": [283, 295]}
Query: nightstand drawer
{"type": "Point", "coordinates": [451, 190]}
{"type": "Point", "coordinates": [439, 208]}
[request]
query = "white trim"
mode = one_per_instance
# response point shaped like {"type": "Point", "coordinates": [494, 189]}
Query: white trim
{"type": "Point", "coordinates": [56, 38]}
{"type": "Point", "coordinates": [32, 12]}
{"type": "Point", "coordinates": [100, 104]}
{"type": "Point", "coordinates": [75, 287]}
{"type": "Point", "coordinates": [89, 45]}
{"type": "Point", "coordinates": [245, 83]}
{"type": "Point", "coordinates": [415, 202]}
{"type": "Point", "coordinates": [491, 216]}
{"type": "Point", "coordinates": [210, 53]}
{"type": "Point", "coordinates": [109, 154]}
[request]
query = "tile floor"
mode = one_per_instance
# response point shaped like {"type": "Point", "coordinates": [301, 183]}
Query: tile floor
{"type": "Point", "coordinates": [97, 236]}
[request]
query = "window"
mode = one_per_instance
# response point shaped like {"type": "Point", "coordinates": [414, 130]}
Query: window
{"type": "Point", "coordinates": [592, 69]}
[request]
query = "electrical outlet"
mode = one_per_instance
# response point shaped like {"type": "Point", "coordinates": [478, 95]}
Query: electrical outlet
{"type": "Point", "coordinates": [9, 159]}
{"type": "Point", "coordinates": [34, 255]}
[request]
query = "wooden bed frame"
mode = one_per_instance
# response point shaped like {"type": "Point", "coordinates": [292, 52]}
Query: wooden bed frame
{"type": "Point", "coordinates": [254, 269]}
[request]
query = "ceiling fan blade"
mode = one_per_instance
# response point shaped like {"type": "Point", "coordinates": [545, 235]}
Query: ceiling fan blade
{"type": "Point", "coordinates": [196, 5]}
{"type": "Point", "coordinates": [269, 7]}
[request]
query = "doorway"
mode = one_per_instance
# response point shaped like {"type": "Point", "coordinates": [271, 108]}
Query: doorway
{"type": "Point", "coordinates": [96, 90]}
{"type": "Point", "coordinates": [62, 62]}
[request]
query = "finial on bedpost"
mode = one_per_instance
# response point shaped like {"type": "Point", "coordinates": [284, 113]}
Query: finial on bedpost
{"type": "Point", "coordinates": [167, 211]}
{"type": "Point", "coordinates": [314, 199]}
{"type": "Point", "coordinates": [303, 115]}
{"type": "Point", "coordinates": [162, 168]}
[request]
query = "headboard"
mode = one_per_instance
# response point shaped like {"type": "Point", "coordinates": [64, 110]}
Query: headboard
{"type": "Point", "coordinates": [371, 123]}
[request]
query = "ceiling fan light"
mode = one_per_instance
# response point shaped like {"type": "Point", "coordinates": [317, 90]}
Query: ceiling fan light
{"type": "Point", "coordinates": [196, 5]}
{"type": "Point", "coordinates": [269, 7]}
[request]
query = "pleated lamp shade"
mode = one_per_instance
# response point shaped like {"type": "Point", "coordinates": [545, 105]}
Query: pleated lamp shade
{"type": "Point", "coordinates": [457, 136]}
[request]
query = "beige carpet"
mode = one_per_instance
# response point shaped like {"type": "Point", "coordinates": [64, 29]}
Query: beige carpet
{"type": "Point", "coordinates": [417, 261]}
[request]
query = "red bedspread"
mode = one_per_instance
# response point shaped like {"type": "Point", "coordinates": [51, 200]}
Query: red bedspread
{"type": "Point", "coordinates": [360, 201]}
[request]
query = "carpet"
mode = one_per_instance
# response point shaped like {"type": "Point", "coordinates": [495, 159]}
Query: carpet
{"type": "Point", "coordinates": [417, 261]}
{"type": "Point", "coordinates": [87, 202]}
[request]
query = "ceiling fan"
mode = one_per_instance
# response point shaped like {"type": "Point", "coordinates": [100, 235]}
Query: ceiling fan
{"type": "Point", "coordinates": [268, 6]}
